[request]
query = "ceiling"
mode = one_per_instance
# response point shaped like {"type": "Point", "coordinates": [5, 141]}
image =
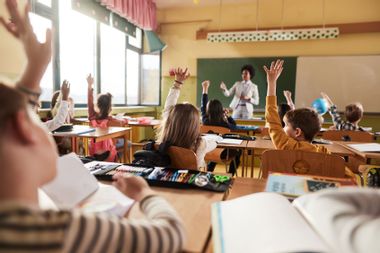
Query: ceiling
{"type": "Point", "coordinates": [165, 4]}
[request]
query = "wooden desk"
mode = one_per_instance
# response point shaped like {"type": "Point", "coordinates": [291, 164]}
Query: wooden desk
{"type": "Point", "coordinates": [100, 134]}
{"type": "Point", "coordinates": [243, 147]}
{"type": "Point", "coordinates": [244, 186]}
{"type": "Point", "coordinates": [194, 208]}
{"type": "Point", "coordinates": [365, 156]}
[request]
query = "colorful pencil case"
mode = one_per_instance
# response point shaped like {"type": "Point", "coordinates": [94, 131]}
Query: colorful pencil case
{"type": "Point", "coordinates": [165, 177]}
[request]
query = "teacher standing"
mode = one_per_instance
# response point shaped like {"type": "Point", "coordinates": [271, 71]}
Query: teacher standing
{"type": "Point", "coordinates": [245, 94]}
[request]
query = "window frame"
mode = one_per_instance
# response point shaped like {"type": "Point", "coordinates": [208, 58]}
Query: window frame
{"type": "Point", "coordinates": [52, 13]}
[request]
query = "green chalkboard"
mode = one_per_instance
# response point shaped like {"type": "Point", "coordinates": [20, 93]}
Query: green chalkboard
{"type": "Point", "coordinates": [228, 70]}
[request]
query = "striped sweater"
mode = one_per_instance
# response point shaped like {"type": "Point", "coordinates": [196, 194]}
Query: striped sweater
{"type": "Point", "coordinates": [26, 229]}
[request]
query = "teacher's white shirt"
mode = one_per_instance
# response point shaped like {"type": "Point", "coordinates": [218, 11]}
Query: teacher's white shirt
{"type": "Point", "coordinates": [243, 88]}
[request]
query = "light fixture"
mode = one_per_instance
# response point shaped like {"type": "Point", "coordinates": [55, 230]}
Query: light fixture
{"type": "Point", "coordinates": [274, 35]}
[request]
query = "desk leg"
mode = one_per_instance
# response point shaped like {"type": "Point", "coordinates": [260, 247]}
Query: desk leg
{"type": "Point", "coordinates": [127, 152]}
{"type": "Point", "coordinates": [252, 162]}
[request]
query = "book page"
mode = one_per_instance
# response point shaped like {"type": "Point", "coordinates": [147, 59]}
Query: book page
{"type": "Point", "coordinates": [262, 222]}
{"type": "Point", "coordinates": [366, 147]}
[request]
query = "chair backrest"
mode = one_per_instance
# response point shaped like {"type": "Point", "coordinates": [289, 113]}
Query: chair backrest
{"type": "Point", "coordinates": [182, 158]}
{"type": "Point", "coordinates": [302, 162]}
{"type": "Point", "coordinates": [215, 129]}
{"type": "Point", "coordinates": [345, 135]}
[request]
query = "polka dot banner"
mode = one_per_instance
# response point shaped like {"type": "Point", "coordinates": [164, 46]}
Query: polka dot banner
{"type": "Point", "coordinates": [274, 35]}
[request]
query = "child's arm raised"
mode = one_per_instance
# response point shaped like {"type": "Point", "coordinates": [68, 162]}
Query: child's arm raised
{"type": "Point", "coordinates": [337, 120]}
{"type": "Point", "coordinates": [38, 54]}
{"type": "Point", "coordinates": [204, 101]}
{"type": "Point", "coordinates": [90, 97]}
{"type": "Point", "coordinates": [289, 100]}
{"type": "Point", "coordinates": [180, 76]}
{"type": "Point", "coordinates": [63, 109]}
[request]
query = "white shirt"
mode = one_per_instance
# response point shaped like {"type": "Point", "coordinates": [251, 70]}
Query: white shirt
{"type": "Point", "coordinates": [60, 118]}
{"type": "Point", "coordinates": [243, 88]}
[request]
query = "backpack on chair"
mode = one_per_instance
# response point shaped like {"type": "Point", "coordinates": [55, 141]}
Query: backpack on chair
{"type": "Point", "coordinates": [150, 157]}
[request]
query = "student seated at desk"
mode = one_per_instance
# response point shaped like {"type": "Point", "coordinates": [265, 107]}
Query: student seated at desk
{"type": "Point", "coordinates": [103, 150]}
{"type": "Point", "coordinates": [353, 113]}
{"type": "Point", "coordinates": [180, 124]}
{"type": "Point", "coordinates": [60, 110]}
{"type": "Point", "coordinates": [301, 125]}
{"type": "Point", "coordinates": [24, 227]}
{"type": "Point", "coordinates": [213, 114]}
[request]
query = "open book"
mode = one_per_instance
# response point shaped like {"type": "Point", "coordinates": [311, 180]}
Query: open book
{"type": "Point", "coordinates": [75, 187]}
{"type": "Point", "coordinates": [263, 222]}
{"type": "Point", "coordinates": [366, 147]}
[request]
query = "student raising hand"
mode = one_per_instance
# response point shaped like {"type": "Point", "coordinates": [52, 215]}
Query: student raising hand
{"type": "Point", "coordinates": [272, 75]}
{"type": "Point", "coordinates": [65, 89]}
{"type": "Point", "coordinates": [38, 54]}
{"type": "Point", "coordinates": [205, 86]}
{"type": "Point", "coordinates": [180, 76]}
{"type": "Point", "coordinates": [328, 99]}
{"type": "Point", "coordinates": [90, 81]}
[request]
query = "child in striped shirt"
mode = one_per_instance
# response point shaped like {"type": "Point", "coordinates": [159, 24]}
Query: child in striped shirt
{"type": "Point", "coordinates": [28, 160]}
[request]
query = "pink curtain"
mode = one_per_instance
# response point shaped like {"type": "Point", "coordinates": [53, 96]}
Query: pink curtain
{"type": "Point", "coordinates": [142, 13]}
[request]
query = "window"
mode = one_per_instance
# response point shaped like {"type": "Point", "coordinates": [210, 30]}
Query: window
{"type": "Point", "coordinates": [77, 45]}
{"type": "Point", "coordinates": [85, 45]}
{"type": "Point", "coordinates": [150, 79]}
{"type": "Point", "coordinates": [136, 41]}
{"type": "Point", "coordinates": [40, 24]}
{"type": "Point", "coordinates": [112, 63]}
{"type": "Point", "coordinates": [133, 69]}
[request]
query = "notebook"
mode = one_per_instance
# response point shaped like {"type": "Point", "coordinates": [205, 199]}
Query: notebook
{"type": "Point", "coordinates": [366, 147]}
{"type": "Point", "coordinates": [75, 187]}
{"type": "Point", "coordinates": [230, 141]}
{"type": "Point", "coordinates": [262, 222]}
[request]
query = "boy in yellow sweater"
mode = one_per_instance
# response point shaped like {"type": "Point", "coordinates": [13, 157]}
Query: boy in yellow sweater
{"type": "Point", "coordinates": [301, 125]}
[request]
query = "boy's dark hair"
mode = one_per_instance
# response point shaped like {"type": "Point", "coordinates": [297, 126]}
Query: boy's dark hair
{"type": "Point", "coordinates": [215, 112]}
{"type": "Point", "coordinates": [250, 69]}
{"type": "Point", "coordinates": [354, 112]}
{"type": "Point", "coordinates": [282, 110]}
{"type": "Point", "coordinates": [104, 104]}
{"type": "Point", "coordinates": [306, 119]}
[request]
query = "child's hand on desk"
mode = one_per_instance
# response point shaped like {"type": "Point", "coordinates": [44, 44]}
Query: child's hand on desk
{"type": "Point", "coordinates": [38, 54]}
{"type": "Point", "coordinates": [133, 187]}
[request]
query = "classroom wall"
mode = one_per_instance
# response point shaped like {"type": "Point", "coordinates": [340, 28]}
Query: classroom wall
{"type": "Point", "coordinates": [183, 48]}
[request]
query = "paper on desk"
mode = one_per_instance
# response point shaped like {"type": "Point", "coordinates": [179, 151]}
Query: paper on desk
{"type": "Point", "coordinates": [213, 137]}
{"type": "Point", "coordinates": [366, 147]}
{"type": "Point", "coordinates": [230, 141]}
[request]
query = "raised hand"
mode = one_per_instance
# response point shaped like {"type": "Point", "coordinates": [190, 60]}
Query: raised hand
{"type": "Point", "coordinates": [65, 89]}
{"type": "Point", "coordinates": [223, 86]}
{"type": "Point", "coordinates": [274, 71]}
{"type": "Point", "coordinates": [327, 98]}
{"type": "Point", "coordinates": [38, 54]}
{"type": "Point", "coordinates": [181, 75]}
{"type": "Point", "coordinates": [90, 81]}
{"type": "Point", "coordinates": [287, 94]}
{"type": "Point", "coordinates": [205, 86]}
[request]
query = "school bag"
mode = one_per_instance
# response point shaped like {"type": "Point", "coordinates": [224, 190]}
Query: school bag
{"type": "Point", "coordinates": [152, 157]}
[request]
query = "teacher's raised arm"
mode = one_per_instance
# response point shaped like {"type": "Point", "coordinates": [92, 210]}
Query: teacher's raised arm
{"type": "Point", "coordinates": [245, 94]}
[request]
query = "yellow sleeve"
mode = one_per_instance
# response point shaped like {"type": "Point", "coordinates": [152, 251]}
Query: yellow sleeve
{"type": "Point", "coordinates": [276, 132]}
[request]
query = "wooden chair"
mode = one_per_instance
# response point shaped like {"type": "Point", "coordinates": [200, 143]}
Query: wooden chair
{"type": "Point", "coordinates": [215, 155]}
{"type": "Point", "coordinates": [302, 162]}
{"type": "Point", "coordinates": [345, 135]}
{"type": "Point", "coordinates": [182, 158]}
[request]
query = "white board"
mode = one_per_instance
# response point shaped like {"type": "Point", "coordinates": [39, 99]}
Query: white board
{"type": "Point", "coordinates": [346, 79]}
